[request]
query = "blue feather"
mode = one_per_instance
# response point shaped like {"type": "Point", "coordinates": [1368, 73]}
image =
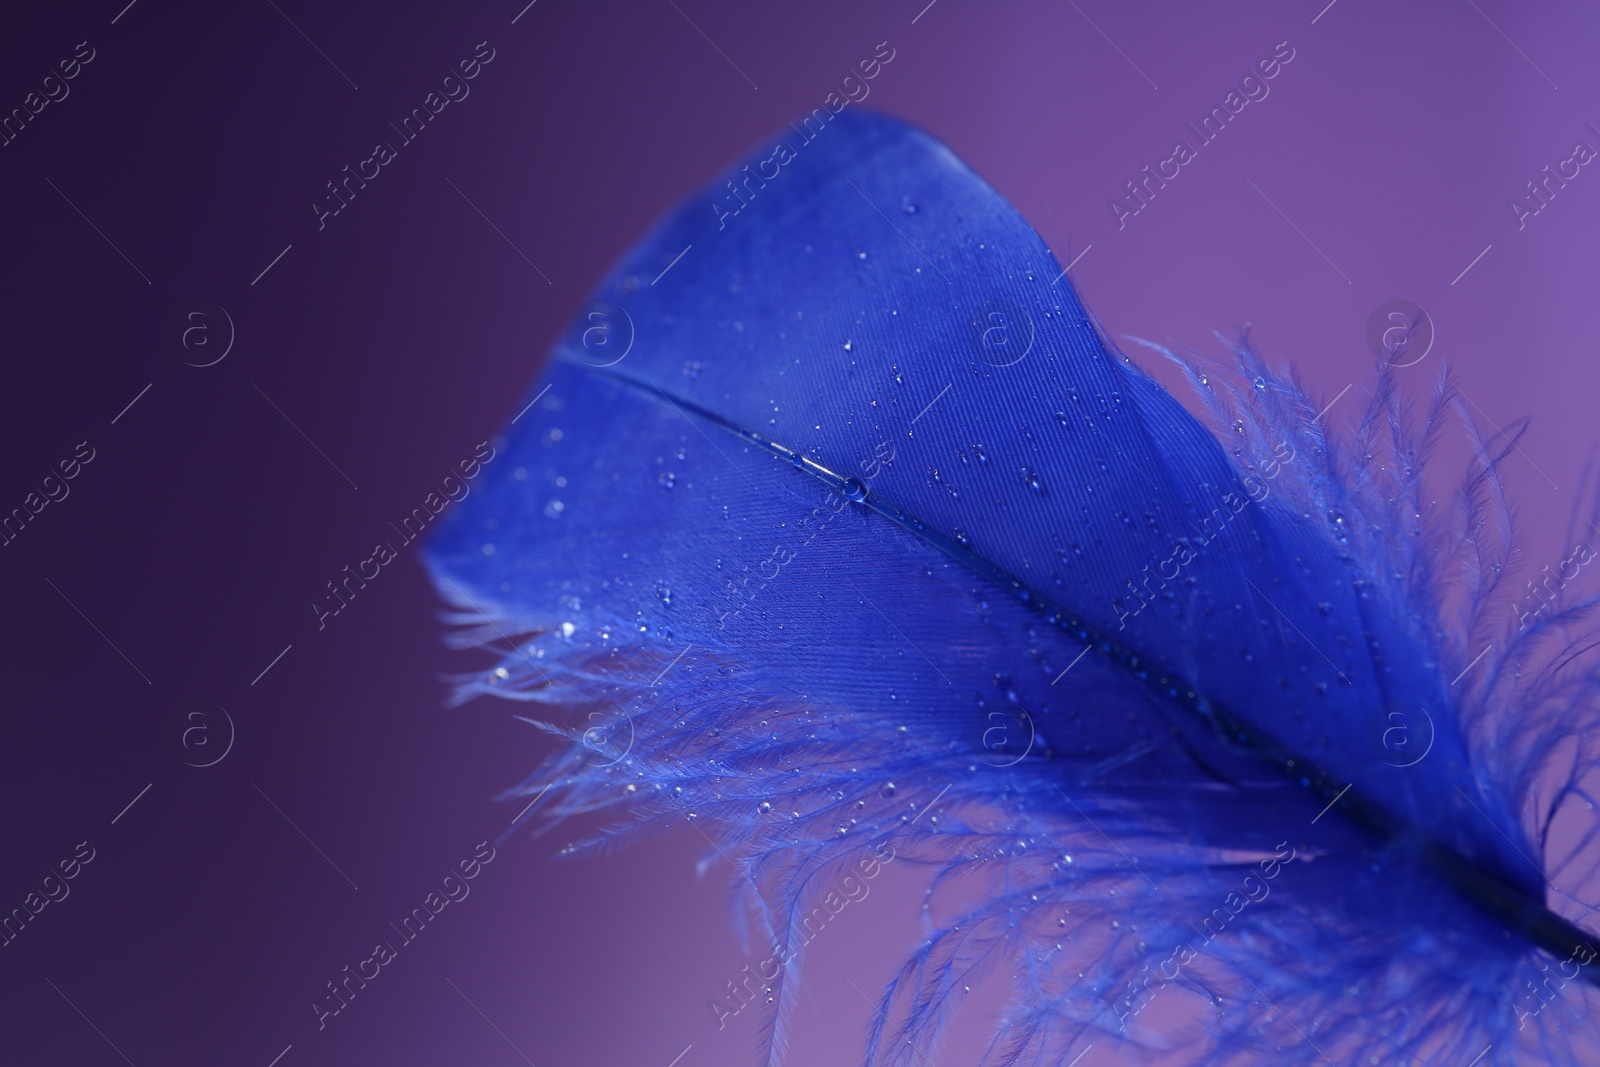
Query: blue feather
{"type": "Point", "coordinates": [837, 526]}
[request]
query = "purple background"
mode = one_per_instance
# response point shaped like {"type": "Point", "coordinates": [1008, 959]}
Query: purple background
{"type": "Point", "coordinates": [404, 333]}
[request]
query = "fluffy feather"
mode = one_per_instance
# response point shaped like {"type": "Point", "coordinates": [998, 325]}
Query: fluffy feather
{"type": "Point", "coordinates": [870, 540]}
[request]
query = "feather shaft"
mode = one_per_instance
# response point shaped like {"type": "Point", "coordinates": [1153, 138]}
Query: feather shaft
{"type": "Point", "coordinates": [1506, 904]}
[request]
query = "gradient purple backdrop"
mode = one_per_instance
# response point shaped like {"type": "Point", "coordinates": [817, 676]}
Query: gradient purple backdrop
{"type": "Point", "coordinates": [186, 157]}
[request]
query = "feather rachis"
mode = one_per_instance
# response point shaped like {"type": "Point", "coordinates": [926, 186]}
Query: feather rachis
{"type": "Point", "coordinates": [1438, 974]}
